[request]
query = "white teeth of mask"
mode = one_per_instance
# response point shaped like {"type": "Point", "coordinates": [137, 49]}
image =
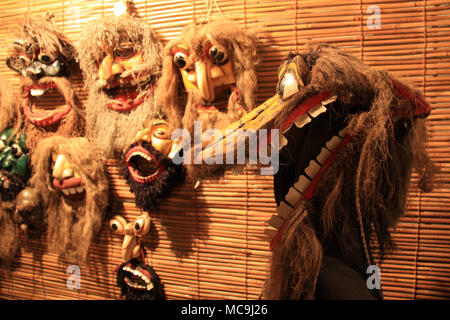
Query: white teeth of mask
{"type": "Point", "coordinates": [37, 92]}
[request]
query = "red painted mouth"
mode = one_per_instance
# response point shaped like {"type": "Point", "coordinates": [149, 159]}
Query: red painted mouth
{"type": "Point", "coordinates": [137, 277]}
{"type": "Point", "coordinates": [71, 188]}
{"type": "Point", "coordinates": [142, 165]}
{"type": "Point", "coordinates": [126, 95]}
{"type": "Point", "coordinates": [42, 118]}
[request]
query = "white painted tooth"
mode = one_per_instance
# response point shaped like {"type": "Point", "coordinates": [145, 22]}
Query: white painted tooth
{"type": "Point", "coordinates": [329, 100]}
{"type": "Point", "coordinates": [145, 279]}
{"type": "Point", "coordinates": [333, 143]}
{"type": "Point", "coordinates": [302, 120]}
{"type": "Point", "coordinates": [72, 190]}
{"type": "Point", "coordinates": [149, 286]}
{"type": "Point", "coordinates": [302, 183]}
{"type": "Point", "coordinates": [79, 189]}
{"type": "Point", "coordinates": [312, 169]}
{"type": "Point", "coordinates": [317, 110]}
{"type": "Point", "coordinates": [135, 272]}
{"type": "Point", "coordinates": [323, 155]}
{"type": "Point", "coordinates": [283, 141]}
{"type": "Point", "coordinates": [293, 196]}
{"type": "Point", "coordinates": [37, 92]}
{"type": "Point", "coordinates": [284, 210]}
{"type": "Point", "coordinates": [275, 221]}
{"type": "Point", "coordinates": [65, 191]}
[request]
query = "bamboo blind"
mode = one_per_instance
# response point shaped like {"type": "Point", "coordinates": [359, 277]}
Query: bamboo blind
{"type": "Point", "coordinates": [204, 243]}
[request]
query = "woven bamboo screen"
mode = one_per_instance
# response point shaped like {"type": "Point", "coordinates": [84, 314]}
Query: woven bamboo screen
{"type": "Point", "coordinates": [204, 243]}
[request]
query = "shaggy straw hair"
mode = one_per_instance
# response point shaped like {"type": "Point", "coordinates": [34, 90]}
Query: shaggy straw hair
{"type": "Point", "coordinates": [9, 237]}
{"type": "Point", "coordinates": [368, 180]}
{"type": "Point", "coordinates": [113, 131]}
{"type": "Point", "coordinates": [8, 102]}
{"type": "Point", "coordinates": [71, 226]}
{"type": "Point", "coordinates": [43, 32]}
{"type": "Point", "coordinates": [241, 46]}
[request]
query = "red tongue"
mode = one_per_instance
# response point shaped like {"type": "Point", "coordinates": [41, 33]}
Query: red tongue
{"type": "Point", "coordinates": [124, 97]}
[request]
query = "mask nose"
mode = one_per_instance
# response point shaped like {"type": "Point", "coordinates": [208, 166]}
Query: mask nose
{"type": "Point", "coordinates": [35, 71]}
{"type": "Point", "coordinates": [62, 169]}
{"type": "Point", "coordinates": [109, 68]}
{"type": "Point", "coordinates": [130, 246]}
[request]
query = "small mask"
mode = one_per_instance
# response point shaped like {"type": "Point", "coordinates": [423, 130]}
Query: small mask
{"type": "Point", "coordinates": [14, 171]}
{"type": "Point", "coordinates": [149, 171]}
{"type": "Point", "coordinates": [29, 214]}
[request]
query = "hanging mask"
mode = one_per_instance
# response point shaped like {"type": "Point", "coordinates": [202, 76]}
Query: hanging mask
{"type": "Point", "coordinates": [214, 64]}
{"type": "Point", "coordinates": [136, 280]}
{"type": "Point", "coordinates": [14, 161]}
{"type": "Point", "coordinates": [29, 213]}
{"type": "Point", "coordinates": [121, 61]}
{"type": "Point", "coordinates": [71, 181]}
{"type": "Point", "coordinates": [149, 171]}
{"type": "Point", "coordinates": [44, 58]}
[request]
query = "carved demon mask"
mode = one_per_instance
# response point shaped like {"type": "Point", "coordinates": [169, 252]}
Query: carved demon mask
{"type": "Point", "coordinates": [149, 171]}
{"type": "Point", "coordinates": [121, 61]}
{"type": "Point", "coordinates": [137, 280]}
{"type": "Point", "coordinates": [71, 181]}
{"type": "Point", "coordinates": [349, 138]}
{"type": "Point", "coordinates": [214, 65]}
{"type": "Point", "coordinates": [45, 59]}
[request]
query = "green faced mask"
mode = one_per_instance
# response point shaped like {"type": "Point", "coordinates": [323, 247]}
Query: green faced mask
{"type": "Point", "coordinates": [14, 169]}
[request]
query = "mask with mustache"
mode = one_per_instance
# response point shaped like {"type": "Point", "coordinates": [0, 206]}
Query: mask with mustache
{"type": "Point", "coordinates": [121, 61]}
{"type": "Point", "coordinates": [44, 58]}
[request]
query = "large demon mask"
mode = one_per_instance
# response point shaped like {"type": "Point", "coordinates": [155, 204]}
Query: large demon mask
{"type": "Point", "coordinates": [45, 59]}
{"type": "Point", "coordinates": [121, 61]}
{"type": "Point", "coordinates": [149, 171]}
{"type": "Point", "coordinates": [214, 64]}
{"type": "Point", "coordinates": [72, 184]}
{"type": "Point", "coordinates": [350, 136]}
{"type": "Point", "coordinates": [137, 280]}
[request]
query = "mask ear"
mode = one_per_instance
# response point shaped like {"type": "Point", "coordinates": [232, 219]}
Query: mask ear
{"type": "Point", "coordinates": [68, 51]}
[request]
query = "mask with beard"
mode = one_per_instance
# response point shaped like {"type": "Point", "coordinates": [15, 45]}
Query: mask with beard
{"type": "Point", "coordinates": [149, 171]}
{"type": "Point", "coordinates": [137, 280]}
{"type": "Point", "coordinates": [121, 60]}
{"type": "Point", "coordinates": [214, 64]}
{"type": "Point", "coordinates": [44, 57]}
{"type": "Point", "coordinates": [71, 181]}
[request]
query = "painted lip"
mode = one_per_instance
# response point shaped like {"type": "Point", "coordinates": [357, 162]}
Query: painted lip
{"type": "Point", "coordinates": [42, 118]}
{"type": "Point", "coordinates": [137, 277]}
{"type": "Point", "coordinates": [141, 152]}
{"type": "Point", "coordinates": [71, 188]}
{"type": "Point", "coordinates": [124, 92]}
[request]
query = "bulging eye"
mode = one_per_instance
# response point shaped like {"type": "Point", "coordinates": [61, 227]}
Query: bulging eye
{"type": "Point", "coordinates": [16, 150]}
{"type": "Point", "coordinates": [142, 225]}
{"type": "Point", "coordinates": [161, 133]}
{"type": "Point", "coordinates": [44, 58]}
{"type": "Point", "coordinates": [179, 59]}
{"type": "Point", "coordinates": [117, 224]}
{"type": "Point", "coordinates": [217, 55]}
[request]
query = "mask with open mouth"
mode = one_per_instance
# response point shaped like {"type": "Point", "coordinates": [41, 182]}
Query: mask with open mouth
{"type": "Point", "coordinates": [71, 181]}
{"type": "Point", "coordinates": [215, 63]}
{"type": "Point", "coordinates": [44, 57]}
{"type": "Point", "coordinates": [121, 61]}
{"type": "Point", "coordinates": [350, 136]}
{"type": "Point", "coordinates": [139, 281]}
{"type": "Point", "coordinates": [149, 171]}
